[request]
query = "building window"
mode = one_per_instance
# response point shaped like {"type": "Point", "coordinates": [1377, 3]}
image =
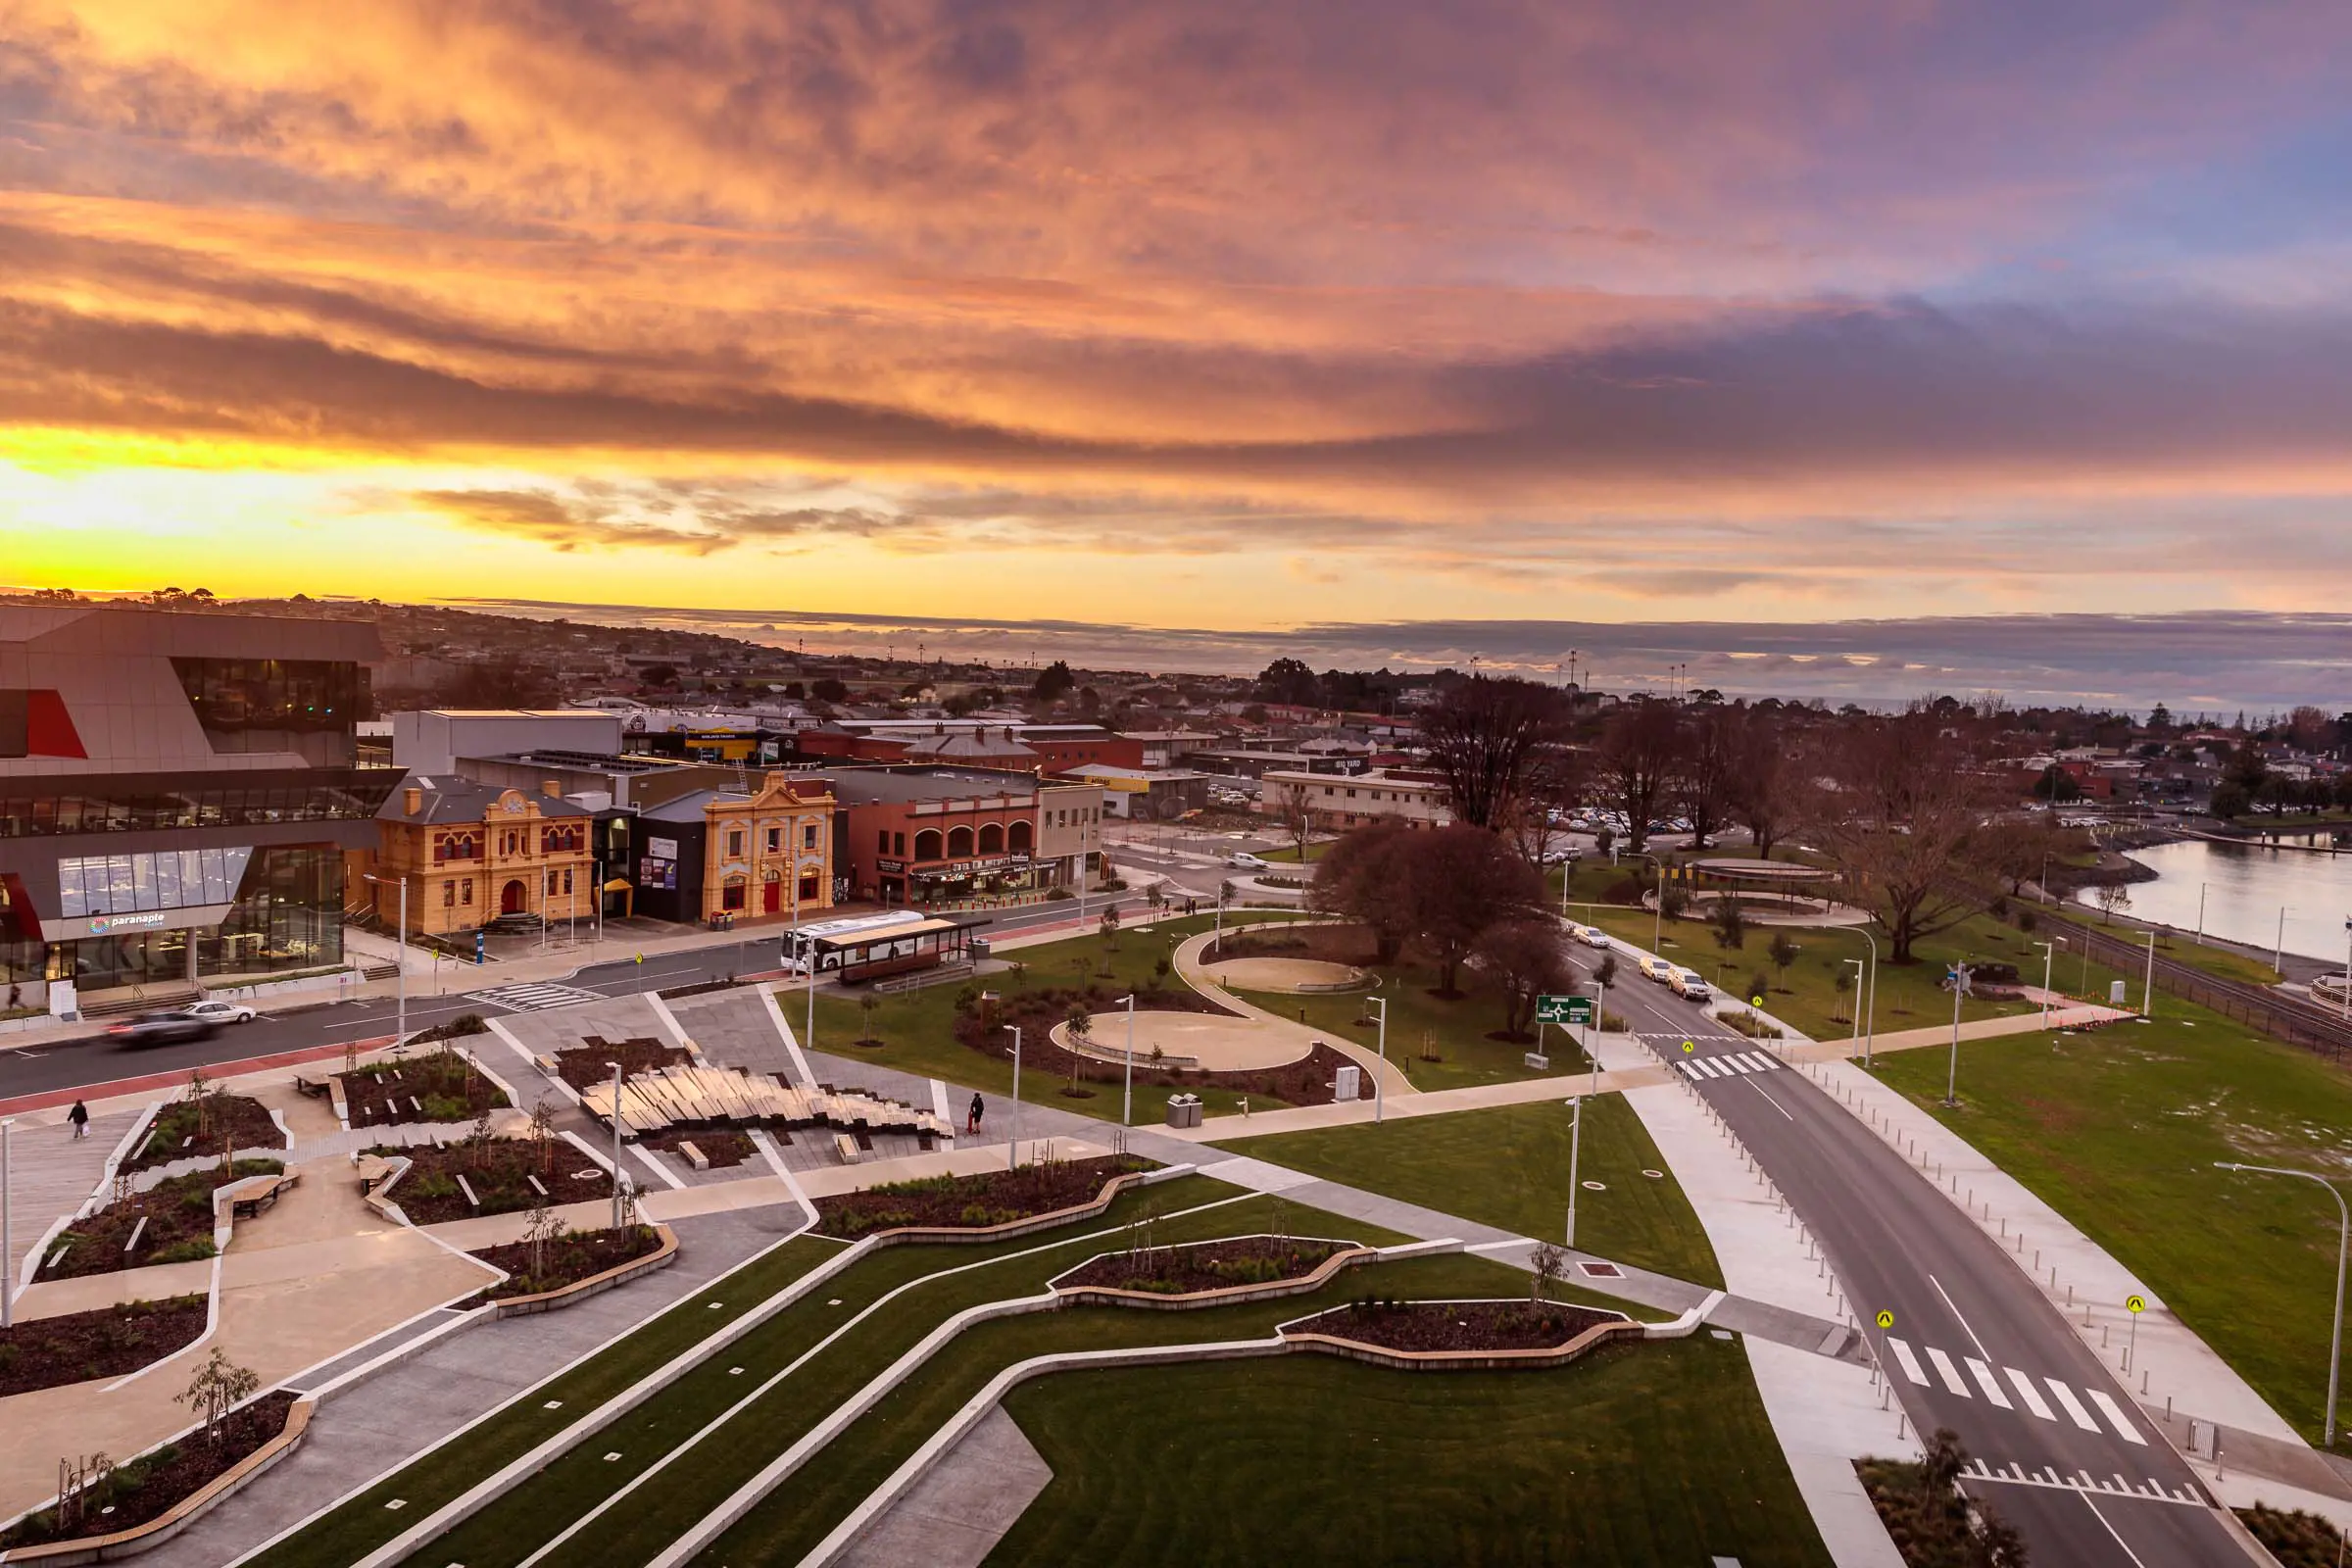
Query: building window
{"type": "Point", "coordinates": [808, 836]}
{"type": "Point", "coordinates": [449, 895]}
{"type": "Point", "coordinates": [775, 840]}
{"type": "Point", "coordinates": [734, 844]}
{"type": "Point", "coordinates": [927, 844]}
{"type": "Point", "coordinates": [466, 891]}
{"type": "Point", "coordinates": [730, 896]}
{"type": "Point", "coordinates": [461, 846]}
{"type": "Point", "coordinates": [885, 844]}
{"type": "Point", "coordinates": [898, 843]}
{"type": "Point", "coordinates": [560, 839]}
{"type": "Point", "coordinates": [567, 879]}
{"type": "Point", "coordinates": [808, 889]}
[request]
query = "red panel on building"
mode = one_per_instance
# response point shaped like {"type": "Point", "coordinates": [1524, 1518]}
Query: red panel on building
{"type": "Point", "coordinates": [48, 728]}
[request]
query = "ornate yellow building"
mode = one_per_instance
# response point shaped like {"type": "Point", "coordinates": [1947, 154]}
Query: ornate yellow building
{"type": "Point", "coordinates": [470, 852]}
{"type": "Point", "coordinates": [771, 854]}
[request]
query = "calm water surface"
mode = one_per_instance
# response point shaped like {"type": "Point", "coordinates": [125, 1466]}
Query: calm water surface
{"type": "Point", "coordinates": [2244, 888]}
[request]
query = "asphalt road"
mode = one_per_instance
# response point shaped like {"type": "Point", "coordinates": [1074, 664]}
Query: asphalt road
{"type": "Point", "coordinates": [96, 1058]}
{"type": "Point", "coordinates": [1974, 1345]}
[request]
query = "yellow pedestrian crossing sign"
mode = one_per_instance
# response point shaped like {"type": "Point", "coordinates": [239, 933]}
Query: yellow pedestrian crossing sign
{"type": "Point", "coordinates": [1885, 1321]}
{"type": "Point", "coordinates": [1687, 1047]}
{"type": "Point", "coordinates": [2135, 1304]}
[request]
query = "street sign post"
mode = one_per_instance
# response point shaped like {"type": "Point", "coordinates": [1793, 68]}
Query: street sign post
{"type": "Point", "coordinates": [1572, 1010]}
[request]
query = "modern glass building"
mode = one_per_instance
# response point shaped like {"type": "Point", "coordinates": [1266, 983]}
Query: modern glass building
{"type": "Point", "coordinates": [176, 795]}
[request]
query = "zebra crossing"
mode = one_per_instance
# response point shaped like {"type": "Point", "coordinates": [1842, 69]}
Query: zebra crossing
{"type": "Point", "coordinates": [535, 996]}
{"type": "Point", "coordinates": [1989, 1387]}
{"type": "Point", "coordinates": [1731, 1064]}
{"type": "Point", "coordinates": [2017, 1475]}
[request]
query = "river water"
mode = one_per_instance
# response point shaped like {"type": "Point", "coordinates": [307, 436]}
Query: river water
{"type": "Point", "coordinates": [2244, 887]}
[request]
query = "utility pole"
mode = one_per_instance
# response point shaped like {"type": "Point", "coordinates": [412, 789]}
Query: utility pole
{"type": "Point", "coordinates": [1127, 1095]}
{"type": "Point", "coordinates": [1012, 1150]}
{"type": "Point", "coordinates": [618, 1219]}
{"type": "Point", "coordinates": [1575, 1146]}
{"type": "Point", "coordinates": [1379, 1086]}
{"type": "Point", "coordinates": [2048, 957]}
{"type": "Point", "coordinates": [2343, 1244]}
{"type": "Point", "coordinates": [1951, 1086]}
{"type": "Point", "coordinates": [2147, 987]}
{"type": "Point", "coordinates": [7, 1238]}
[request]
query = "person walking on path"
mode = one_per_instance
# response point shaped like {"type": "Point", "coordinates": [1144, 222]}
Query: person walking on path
{"type": "Point", "coordinates": [79, 1117]}
{"type": "Point", "coordinates": [971, 1119]}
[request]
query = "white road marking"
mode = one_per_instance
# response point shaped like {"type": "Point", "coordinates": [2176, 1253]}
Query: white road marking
{"type": "Point", "coordinates": [1762, 1062]}
{"type": "Point", "coordinates": [1956, 1317]}
{"type": "Point", "coordinates": [2073, 1406]}
{"type": "Point", "coordinates": [1989, 1383]}
{"type": "Point", "coordinates": [1902, 1353]}
{"type": "Point", "coordinates": [1767, 1100]}
{"type": "Point", "coordinates": [1689, 1070]}
{"type": "Point", "coordinates": [2115, 1417]}
{"type": "Point", "coordinates": [2027, 1391]}
{"type": "Point", "coordinates": [2110, 1529]}
{"type": "Point", "coordinates": [1948, 1372]}
{"type": "Point", "coordinates": [1710, 1069]}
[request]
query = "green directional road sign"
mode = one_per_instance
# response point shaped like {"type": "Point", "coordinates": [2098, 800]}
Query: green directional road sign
{"type": "Point", "coordinates": [1564, 1010]}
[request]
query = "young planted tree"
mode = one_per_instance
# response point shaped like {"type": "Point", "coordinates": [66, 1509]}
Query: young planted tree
{"type": "Point", "coordinates": [1548, 1263]}
{"type": "Point", "coordinates": [1784, 951]}
{"type": "Point", "coordinates": [1731, 923]}
{"type": "Point", "coordinates": [218, 1387]}
{"type": "Point", "coordinates": [867, 1005]}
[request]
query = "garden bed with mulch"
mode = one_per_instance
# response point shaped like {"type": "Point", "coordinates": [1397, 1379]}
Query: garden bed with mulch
{"type": "Point", "coordinates": [1216, 1265]}
{"type": "Point", "coordinates": [992, 1198]}
{"type": "Point", "coordinates": [720, 1146]}
{"type": "Point", "coordinates": [590, 1062]}
{"type": "Point", "coordinates": [1304, 1082]}
{"type": "Point", "coordinates": [154, 1483]}
{"type": "Point", "coordinates": [1349, 945]}
{"type": "Point", "coordinates": [1458, 1325]}
{"type": "Point", "coordinates": [185, 1128]}
{"type": "Point", "coordinates": [564, 1259]}
{"type": "Point", "coordinates": [179, 1212]}
{"type": "Point", "coordinates": [437, 1086]}
{"type": "Point", "coordinates": [104, 1343]}
{"type": "Point", "coordinates": [500, 1171]}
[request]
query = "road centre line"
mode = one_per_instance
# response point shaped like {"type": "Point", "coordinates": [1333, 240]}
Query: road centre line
{"type": "Point", "coordinates": [1957, 1318]}
{"type": "Point", "coordinates": [1775, 1105]}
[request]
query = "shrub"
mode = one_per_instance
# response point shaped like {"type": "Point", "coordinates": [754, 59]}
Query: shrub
{"type": "Point", "coordinates": [2027, 919]}
{"type": "Point", "coordinates": [193, 1251]}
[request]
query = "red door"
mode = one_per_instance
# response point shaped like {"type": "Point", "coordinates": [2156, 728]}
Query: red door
{"type": "Point", "coordinates": [509, 899]}
{"type": "Point", "coordinates": [773, 896]}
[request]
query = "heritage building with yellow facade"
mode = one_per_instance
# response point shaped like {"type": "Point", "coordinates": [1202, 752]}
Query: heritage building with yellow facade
{"type": "Point", "coordinates": [469, 852]}
{"type": "Point", "coordinates": [769, 855]}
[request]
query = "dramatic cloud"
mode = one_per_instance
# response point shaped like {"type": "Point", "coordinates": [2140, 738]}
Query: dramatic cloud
{"type": "Point", "coordinates": [1382, 308]}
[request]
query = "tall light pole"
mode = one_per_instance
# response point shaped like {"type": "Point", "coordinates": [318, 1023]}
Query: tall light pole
{"type": "Point", "coordinates": [2348, 968]}
{"type": "Point", "coordinates": [2278, 948]}
{"type": "Point", "coordinates": [1012, 1150]}
{"type": "Point", "coordinates": [1379, 1102]}
{"type": "Point", "coordinates": [2344, 1243]}
{"type": "Point", "coordinates": [1600, 995]}
{"type": "Point", "coordinates": [1657, 932]}
{"type": "Point", "coordinates": [1575, 1146]}
{"type": "Point", "coordinates": [2147, 987]}
{"type": "Point", "coordinates": [1127, 1095]}
{"type": "Point", "coordinates": [7, 1238]}
{"type": "Point", "coordinates": [1870, 1023]}
{"type": "Point", "coordinates": [618, 1217]}
{"type": "Point", "coordinates": [1858, 985]}
{"type": "Point", "coordinates": [1951, 1084]}
{"type": "Point", "coordinates": [2048, 956]}
{"type": "Point", "coordinates": [2202, 887]}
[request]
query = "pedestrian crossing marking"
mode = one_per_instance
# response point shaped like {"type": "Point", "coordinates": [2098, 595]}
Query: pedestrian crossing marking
{"type": "Point", "coordinates": [1946, 1371]}
{"type": "Point", "coordinates": [2073, 1406]}
{"type": "Point", "coordinates": [1987, 1382]}
{"type": "Point", "coordinates": [534, 995]}
{"type": "Point", "coordinates": [2115, 1417]}
{"type": "Point", "coordinates": [2016, 1474]}
{"type": "Point", "coordinates": [1911, 1368]}
{"type": "Point", "coordinates": [2027, 1391]}
{"type": "Point", "coordinates": [1734, 1064]}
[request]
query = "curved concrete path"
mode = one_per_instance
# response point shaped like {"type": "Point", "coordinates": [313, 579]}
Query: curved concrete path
{"type": "Point", "coordinates": [1195, 973]}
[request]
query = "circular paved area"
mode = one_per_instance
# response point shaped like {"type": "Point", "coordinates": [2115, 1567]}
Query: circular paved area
{"type": "Point", "coordinates": [1213, 1042]}
{"type": "Point", "coordinates": [1285, 974]}
{"type": "Point", "coordinates": [1728, 866]}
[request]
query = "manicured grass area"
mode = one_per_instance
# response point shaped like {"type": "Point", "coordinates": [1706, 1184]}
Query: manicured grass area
{"type": "Point", "coordinates": [1653, 1454]}
{"type": "Point", "coordinates": [2118, 1131]}
{"type": "Point", "coordinates": [1508, 1167]}
{"type": "Point", "coordinates": [1422, 1025]}
{"type": "Point", "coordinates": [1315, 851]}
{"type": "Point", "coordinates": [2223, 963]}
{"type": "Point", "coordinates": [917, 1028]}
{"type": "Point", "coordinates": [362, 1523]}
{"type": "Point", "coordinates": [944, 1280]}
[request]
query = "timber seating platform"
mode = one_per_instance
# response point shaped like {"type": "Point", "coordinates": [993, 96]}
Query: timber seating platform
{"type": "Point", "coordinates": [696, 1094]}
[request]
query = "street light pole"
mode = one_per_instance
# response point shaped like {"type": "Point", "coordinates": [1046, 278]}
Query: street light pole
{"type": "Point", "coordinates": [7, 1239]}
{"type": "Point", "coordinates": [1127, 1095]}
{"type": "Point", "coordinates": [1576, 1144]}
{"type": "Point", "coordinates": [401, 969]}
{"type": "Point", "coordinates": [1870, 1022]}
{"type": "Point", "coordinates": [617, 1126]}
{"type": "Point", "coordinates": [1856, 1038]}
{"type": "Point", "coordinates": [2147, 987]}
{"type": "Point", "coordinates": [2278, 948]}
{"type": "Point", "coordinates": [1951, 1083]}
{"type": "Point", "coordinates": [1658, 933]}
{"type": "Point", "coordinates": [2343, 1243]}
{"type": "Point", "coordinates": [1380, 1100]}
{"type": "Point", "coordinates": [1012, 1150]}
{"type": "Point", "coordinates": [2202, 887]}
{"type": "Point", "coordinates": [2048, 956]}
{"type": "Point", "coordinates": [2348, 970]}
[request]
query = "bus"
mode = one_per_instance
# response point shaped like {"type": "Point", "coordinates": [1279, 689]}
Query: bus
{"type": "Point", "coordinates": [799, 939]}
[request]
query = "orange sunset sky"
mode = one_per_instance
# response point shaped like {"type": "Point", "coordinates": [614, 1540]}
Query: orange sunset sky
{"type": "Point", "coordinates": [1213, 315]}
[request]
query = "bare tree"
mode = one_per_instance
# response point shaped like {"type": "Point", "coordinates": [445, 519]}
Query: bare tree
{"type": "Point", "coordinates": [1296, 818]}
{"type": "Point", "coordinates": [1640, 752]}
{"type": "Point", "coordinates": [218, 1387]}
{"type": "Point", "coordinates": [1362, 877]}
{"type": "Point", "coordinates": [1525, 960]}
{"type": "Point", "coordinates": [1709, 772]}
{"type": "Point", "coordinates": [1483, 735]}
{"type": "Point", "coordinates": [1459, 882]}
{"type": "Point", "coordinates": [1548, 1263]}
{"type": "Point", "coordinates": [1555, 783]}
{"type": "Point", "coordinates": [1905, 811]}
{"type": "Point", "coordinates": [1764, 792]}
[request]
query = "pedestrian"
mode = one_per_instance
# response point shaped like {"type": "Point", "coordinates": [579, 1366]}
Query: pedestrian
{"type": "Point", "coordinates": [15, 997]}
{"type": "Point", "coordinates": [79, 1117]}
{"type": "Point", "coordinates": [972, 1120]}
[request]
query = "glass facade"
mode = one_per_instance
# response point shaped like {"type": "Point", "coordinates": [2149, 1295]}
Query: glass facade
{"type": "Point", "coordinates": [145, 802]}
{"type": "Point", "coordinates": [169, 879]}
{"type": "Point", "coordinates": [286, 915]}
{"type": "Point", "coordinates": [275, 694]}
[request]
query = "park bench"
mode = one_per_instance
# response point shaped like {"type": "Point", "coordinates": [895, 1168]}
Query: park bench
{"type": "Point", "coordinates": [375, 1170]}
{"type": "Point", "coordinates": [248, 1205]}
{"type": "Point", "coordinates": [694, 1157]}
{"type": "Point", "coordinates": [316, 1088]}
{"type": "Point", "coordinates": [846, 1147]}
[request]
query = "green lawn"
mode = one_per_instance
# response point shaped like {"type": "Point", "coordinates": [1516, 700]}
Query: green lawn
{"type": "Point", "coordinates": [917, 1027]}
{"type": "Point", "coordinates": [2223, 963]}
{"type": "Point", "coordinates": [1290, 852]}
{"type": "Point", "coordinates": [1423, 1026]}
{"type": "Point", "coordinates": [2118, 1131]}
{"type": "Point", "coordinates": [1656, 1453]}
{"type": "Point", "coordinates": [1508, 1167]}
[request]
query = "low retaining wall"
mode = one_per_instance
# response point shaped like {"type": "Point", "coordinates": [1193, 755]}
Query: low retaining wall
{"type": "Point", "coordinates": [978, 1235]}
{"type": "Point", "coordinates": [1224, 1296]}
{"type": "Point", "coordinates": [595, 1284]}
{"type": "Point", "coordinates": [181, 1515]}
{"type": "Point", "coordinates": [1395, 1360]}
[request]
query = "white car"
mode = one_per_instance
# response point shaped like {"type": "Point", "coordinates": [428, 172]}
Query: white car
{"type": "Point", "coordinates": [221, 1012]}
{"type": "Point", "coordinates": [1593, 935]}
{"type": "Point", "coordinates": [1247, 861]}
{"type": "Point", "coordinates": [1688, 986]}
{"type": "Point", "coordinates": [1656, 968]}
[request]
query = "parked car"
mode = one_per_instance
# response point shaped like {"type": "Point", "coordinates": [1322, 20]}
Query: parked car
{"type": "Point", "coordinates": [223, 1011]}
{"type": "Point", "coordinates": [162, 1028]}
{"type": "Point", "coordinates": [1247, 861]}
{"type": "Point", "coordinates": [1687, 985]}
{"type": "Point", "coordinates": [1656, 968]}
